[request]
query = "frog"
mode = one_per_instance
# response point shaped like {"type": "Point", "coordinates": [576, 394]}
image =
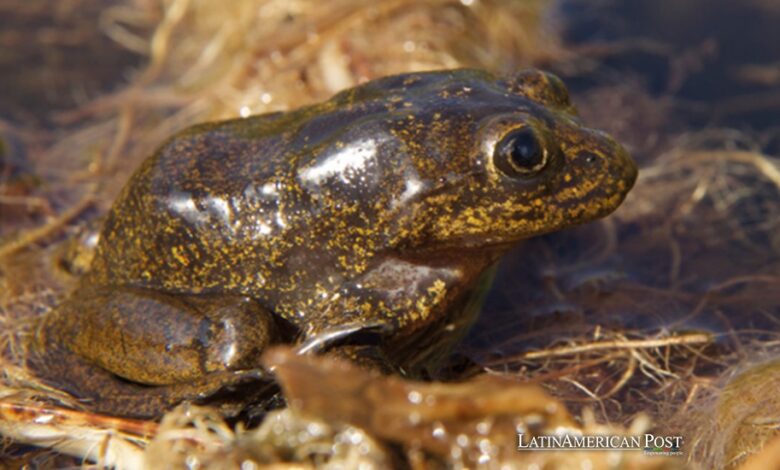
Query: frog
{"type": "Point", "coordinates": [368, 223]}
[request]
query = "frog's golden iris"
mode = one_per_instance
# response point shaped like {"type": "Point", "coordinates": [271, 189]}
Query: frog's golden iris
{"type": "Point", "coordinates": [379, 209]}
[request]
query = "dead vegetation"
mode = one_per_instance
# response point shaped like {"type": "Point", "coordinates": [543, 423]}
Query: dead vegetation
{"type": "Point", "coordinates": [664, 317]}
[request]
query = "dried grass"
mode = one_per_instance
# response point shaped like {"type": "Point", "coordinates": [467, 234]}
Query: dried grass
{"type": "Point", "coordinates": [700, 229]}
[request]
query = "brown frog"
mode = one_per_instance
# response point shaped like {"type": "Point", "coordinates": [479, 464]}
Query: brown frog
{"type": "Point", "coordinates": [379, 210]}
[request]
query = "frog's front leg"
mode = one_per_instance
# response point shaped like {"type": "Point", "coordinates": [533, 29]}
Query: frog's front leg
{"type": "Point", "coordinates": [110, 344]}
{"type": "Point", "coordinates": [398, 310]}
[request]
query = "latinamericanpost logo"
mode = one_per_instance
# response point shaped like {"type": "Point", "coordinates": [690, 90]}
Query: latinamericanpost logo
{"type": "Point", "coordinates": [649, 443]}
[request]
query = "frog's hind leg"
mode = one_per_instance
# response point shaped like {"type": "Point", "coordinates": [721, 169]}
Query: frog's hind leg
{"type": "Point", "coordinates": [104, 392]}
{"type": "Point", "coordinates": [137, 352]}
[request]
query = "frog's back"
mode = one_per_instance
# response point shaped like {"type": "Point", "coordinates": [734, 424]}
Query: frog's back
{"type": "Point", "coordinates": [249, 206]}
{"type": "Point", "coordinates": [188, 217]}
{"type": "Point", "coordinates": [235, 206]}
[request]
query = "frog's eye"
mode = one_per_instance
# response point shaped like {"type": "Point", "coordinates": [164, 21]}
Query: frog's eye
{"type": "Point", "coordinates": [520, 153]}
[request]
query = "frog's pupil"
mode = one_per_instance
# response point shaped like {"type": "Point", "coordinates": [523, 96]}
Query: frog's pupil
{"type": "Point", "coordinates": [525, 150]}
{"type": "Point", "coordinates": [522, 151]}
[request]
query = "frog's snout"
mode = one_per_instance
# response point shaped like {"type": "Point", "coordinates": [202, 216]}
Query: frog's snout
{"type": "Point", "coordinates": [625, 168]}
{"type": "Point", "coordinates": [610, 159]}
{"type": "Point", "coordinates": [604, 171]}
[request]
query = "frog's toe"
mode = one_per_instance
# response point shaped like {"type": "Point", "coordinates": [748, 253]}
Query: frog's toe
{"type": "Point", "coordinates": [365, 334]}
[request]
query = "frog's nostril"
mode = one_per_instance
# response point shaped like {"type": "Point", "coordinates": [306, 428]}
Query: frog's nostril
{"type": "Point", "coordinates": [589, 157]}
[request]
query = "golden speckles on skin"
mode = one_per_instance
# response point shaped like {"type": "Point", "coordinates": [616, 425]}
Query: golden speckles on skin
{"type": "Point", "coordinates": [435, 294]}
{"type": "Point", "coordinates": [354, 246]}
{"type": "Point", "coordinates": [178, 253]}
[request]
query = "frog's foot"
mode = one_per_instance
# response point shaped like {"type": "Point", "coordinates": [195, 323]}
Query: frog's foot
{"type": "Point", "coordinates": [359, 343]}
{"type": "Point", "coordinates": [104, 392]}
{"type": "Point", "coordinates": [341, 335]}
{"type": "Point", "coordinates": [74, 255]}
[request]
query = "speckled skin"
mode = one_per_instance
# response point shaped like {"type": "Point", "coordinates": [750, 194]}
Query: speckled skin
{"type": "Point", "coordinates": [380, 209]}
